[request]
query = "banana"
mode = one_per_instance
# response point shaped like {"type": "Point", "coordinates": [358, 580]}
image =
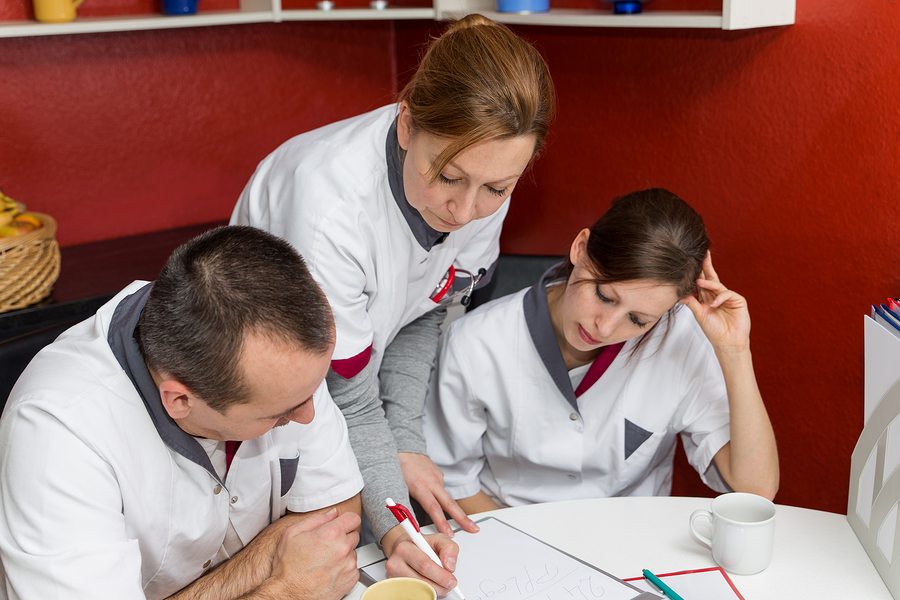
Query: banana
{"type": "Point", "coordinates": [6, 217]}
{"type": "Point", "coordinates": [20, 225]}
{"type": "Point", "coordinates": [13, 218]}
{"type": "Point", "coordinates": [9, 209]}
{"type": "Point", "coordinates": [27, 222]}
{"type": "Point", "coordinates": [7, 203]}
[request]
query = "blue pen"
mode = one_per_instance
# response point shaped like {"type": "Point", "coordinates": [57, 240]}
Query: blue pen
{"type": "Point", "coordinates": [669, 592]}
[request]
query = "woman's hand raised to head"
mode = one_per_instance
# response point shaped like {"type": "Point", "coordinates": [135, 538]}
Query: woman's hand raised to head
{"type": "Point", "coordinates": [722, 313]}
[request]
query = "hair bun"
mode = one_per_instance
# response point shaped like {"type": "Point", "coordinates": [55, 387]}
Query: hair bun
{"type": "Point", "coordinates": [472, 20]}
{"type": "Point", "coordinates": [479, 81]}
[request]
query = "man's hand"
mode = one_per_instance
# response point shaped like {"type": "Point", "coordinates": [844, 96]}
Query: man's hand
{"type": "Point", "coordinates": [406, 560]}
{"type": "Point", "coordinates": [426, 484]}
{"type": "Point", "coordinates": [316, 558]}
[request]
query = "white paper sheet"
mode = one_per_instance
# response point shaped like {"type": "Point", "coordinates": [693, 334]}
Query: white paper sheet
{"type": "Point", "coordinates": [502, 563]}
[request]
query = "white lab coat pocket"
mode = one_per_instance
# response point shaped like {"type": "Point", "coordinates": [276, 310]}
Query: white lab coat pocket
{"type": "Point", "coordinates": [645, 457]}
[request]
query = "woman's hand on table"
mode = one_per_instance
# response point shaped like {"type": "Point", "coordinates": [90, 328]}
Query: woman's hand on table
{"type": "Point", "coordinates": [426, 485]}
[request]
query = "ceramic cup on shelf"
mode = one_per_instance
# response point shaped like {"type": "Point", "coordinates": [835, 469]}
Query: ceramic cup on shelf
{"type": "Point", "coordinates": [742, 531]}
{"type": "Point", "coordinates": [179, 7]}
{"type": "Point", "coordinates": [55, 11]}
{"type": "Point", "coordinates": [400, 588]}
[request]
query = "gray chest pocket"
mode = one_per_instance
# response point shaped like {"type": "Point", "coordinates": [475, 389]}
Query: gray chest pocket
{"type": "Point", "coordinates": [288, 473]}
{"type": "Point", "coordinates": [634, 437]}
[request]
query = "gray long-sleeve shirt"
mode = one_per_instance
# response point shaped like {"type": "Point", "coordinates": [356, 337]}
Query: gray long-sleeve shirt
{"type": "Point", "coordinates": [384, 413]}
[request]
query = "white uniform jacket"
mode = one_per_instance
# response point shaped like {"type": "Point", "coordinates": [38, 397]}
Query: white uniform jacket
{"type": "Point", "coordinates": [336, 194]}
{"type": "Point", "coordinates": [505, 418]}
{"type": "Point", "coordinates": [103, 496]}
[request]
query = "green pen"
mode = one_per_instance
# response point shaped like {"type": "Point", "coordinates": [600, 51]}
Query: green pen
{"type": "Point", "coordinates": [669, 592]}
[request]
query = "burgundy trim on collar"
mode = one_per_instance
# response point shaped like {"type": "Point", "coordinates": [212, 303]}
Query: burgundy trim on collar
{"type": "Point", "coordinates": [540, 327]}
{"type": "Point", "coordinates": [598, 367]}
{"type": "Point", "coordinates": [231, 448]}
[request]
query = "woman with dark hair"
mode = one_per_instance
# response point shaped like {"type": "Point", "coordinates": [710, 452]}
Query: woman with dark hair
{"type": "Point", "coordinates": [578, 386]}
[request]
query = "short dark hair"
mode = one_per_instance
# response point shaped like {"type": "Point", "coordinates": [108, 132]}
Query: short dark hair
{"type": "Point", "coordinates": [212, 292]}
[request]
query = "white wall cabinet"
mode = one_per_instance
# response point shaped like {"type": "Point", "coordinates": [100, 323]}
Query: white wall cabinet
{"type": "Point", "coordinates": [736, 14]}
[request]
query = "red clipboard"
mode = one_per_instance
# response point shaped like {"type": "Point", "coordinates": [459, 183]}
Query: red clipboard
{"type": "Point", "coordinates": [673, 578]}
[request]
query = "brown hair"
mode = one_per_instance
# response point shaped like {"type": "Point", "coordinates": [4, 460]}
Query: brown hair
{"type": "Point", "coordinates": [652, 234]}
{"type": "Point", "coordinates": [479, 81]}
{"type": "Point", "coordinates": [216, 288]}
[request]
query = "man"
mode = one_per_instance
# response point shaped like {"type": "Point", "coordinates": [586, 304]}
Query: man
{"type": "Point", "coordinates": [155, 449]}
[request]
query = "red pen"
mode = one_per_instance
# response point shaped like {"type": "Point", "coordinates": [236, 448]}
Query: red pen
{"type": "Point", "coordinates": [406, 519]}
{"type": "Point", "coordinates": [893, 305]}
{"type": "Point", "coordinates": [401, 513]}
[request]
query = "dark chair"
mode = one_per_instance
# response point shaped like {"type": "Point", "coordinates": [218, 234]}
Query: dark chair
{"type": "Point", "coordinates": [514, 272]}
{"type": "Point", "coordinates": [16, 352]}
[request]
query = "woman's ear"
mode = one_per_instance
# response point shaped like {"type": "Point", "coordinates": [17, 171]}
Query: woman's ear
{"type": "Point", "coordinates": [579, 246]}
{"type": "Point", "coordinates": [404, 126]}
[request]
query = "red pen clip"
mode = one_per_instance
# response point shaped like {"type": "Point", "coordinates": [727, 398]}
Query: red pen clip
{"type": "Point", "coordinates": [400, 512]}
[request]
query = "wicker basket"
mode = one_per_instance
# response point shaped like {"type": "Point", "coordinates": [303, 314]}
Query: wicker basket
{"type": "Point", "coordinates": [29, 265]}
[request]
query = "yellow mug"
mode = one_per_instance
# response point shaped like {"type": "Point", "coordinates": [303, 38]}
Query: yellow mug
{"type": "Point", "coordinates": [55, 11]}
{"type": "Point", "coordinates": [400, 588]}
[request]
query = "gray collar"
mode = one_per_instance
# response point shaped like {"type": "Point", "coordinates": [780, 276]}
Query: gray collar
{"type": "Point", "coordinates": [540, 326]}
{"type": "Point", "coordinates": [124, 346]}
{"type": "Point", "coordinates": [427, 237]}
{"type": "Point", "coordinates": [537, 319]}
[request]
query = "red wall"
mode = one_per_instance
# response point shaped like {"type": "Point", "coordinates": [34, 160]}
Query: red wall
{"type": "Point", "coordinates": [787, 140]}
{"type": "Point", "coordinates": [123, 133]}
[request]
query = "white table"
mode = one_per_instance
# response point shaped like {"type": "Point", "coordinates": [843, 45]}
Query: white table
{"type": "Point", "coordinates": [817, 555]}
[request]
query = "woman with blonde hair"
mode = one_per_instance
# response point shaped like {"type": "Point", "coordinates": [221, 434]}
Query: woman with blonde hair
{"type": "Point", "coordinates": [397, 212]}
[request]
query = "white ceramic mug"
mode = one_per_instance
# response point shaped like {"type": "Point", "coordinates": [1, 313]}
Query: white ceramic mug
{"type": "Point", "coordinates": [743, 531]}
{"type": "Point", "coordinates": [400, 588]}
